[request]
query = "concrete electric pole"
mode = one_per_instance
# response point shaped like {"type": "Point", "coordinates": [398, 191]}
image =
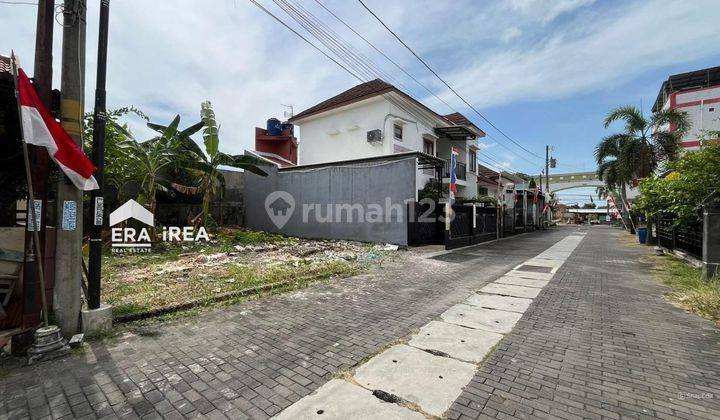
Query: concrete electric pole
{"type": "Point", "coordinates": [68, 255]}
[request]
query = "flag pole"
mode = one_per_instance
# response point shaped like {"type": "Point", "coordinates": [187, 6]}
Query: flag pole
{"type": "Point", "coordinates": [31, 198]}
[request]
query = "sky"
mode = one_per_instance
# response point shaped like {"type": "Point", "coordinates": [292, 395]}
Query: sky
{"type": "Point", "coordinates": [543, 72]}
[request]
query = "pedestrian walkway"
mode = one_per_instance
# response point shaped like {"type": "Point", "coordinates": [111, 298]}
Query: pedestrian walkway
{"type": "Point", "coordinates": [600, 342]}
{"type": "Point", "coordinates": [428, 373]}
{"type": "Point", "coordinates": [253, 360]}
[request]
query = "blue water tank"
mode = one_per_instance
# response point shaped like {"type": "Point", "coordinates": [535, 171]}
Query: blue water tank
{"type": "Point", "coordinates": [274, 127]}
{"type": "Point", "coordinates": [286, 126]}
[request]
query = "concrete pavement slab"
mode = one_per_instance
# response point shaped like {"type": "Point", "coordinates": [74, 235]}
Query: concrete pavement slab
{"type": "Point", "coordinates": [511, 290]}
{"type": "Point", "coordinates": [530, 275]}
{"type": "Point", "coordinates": [519, 281]}
{"type": "Point", "coordinates": [341, 400]}
{"type": "Point", "coordinates": [432, 382]}
{"type": "Point", "coordinates": [456, 341]}
{"type": "Point", "coordinates": [485, 319]}
{"type": "Point", "coordinates": [504, 303]}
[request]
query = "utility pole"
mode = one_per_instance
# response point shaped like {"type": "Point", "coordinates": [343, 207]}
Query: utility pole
{"type": "Point", "coordinates": [547, 168]}
{"type": "Point", "coordinates": [39, 161]}
{"type": "Point", "coordinates": [98, 154]}
{"type": "Point", "coordinates": [547, 182]}
{"type": "Point", "coordinates": [499, 205]}
{"type": "Point", "coordinates": [68, 255]}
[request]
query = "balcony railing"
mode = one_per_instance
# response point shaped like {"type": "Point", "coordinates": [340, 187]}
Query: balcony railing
{"type": "Point", "coordinates": [461, 170]}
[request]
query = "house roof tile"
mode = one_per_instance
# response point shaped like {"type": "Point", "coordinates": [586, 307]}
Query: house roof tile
{"type": "Point", "coordinates": [354, 94]}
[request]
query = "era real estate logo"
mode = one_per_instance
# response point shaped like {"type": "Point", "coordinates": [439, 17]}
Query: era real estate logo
{"type": "Point", "coordinates": [131, 240]}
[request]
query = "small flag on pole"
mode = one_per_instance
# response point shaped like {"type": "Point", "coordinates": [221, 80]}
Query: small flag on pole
{"type": "Point", "coordinates": [41, 129]}
{"type": "Point", "coordinates": [453, 172]}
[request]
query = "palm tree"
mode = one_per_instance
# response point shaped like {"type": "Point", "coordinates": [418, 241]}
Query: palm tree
{"type": "Point", "coordinates": [646, 142]}
{"type": "Point", "coordinates": [205, 164]}
{"type": "Point", "coordinates": [611, 166]}
{"type": "Point", "coordinates": [153, 157]}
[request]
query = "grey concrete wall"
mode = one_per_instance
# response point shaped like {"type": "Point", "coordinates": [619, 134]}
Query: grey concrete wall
{"type": "Point", "coordinates": [369, 184]}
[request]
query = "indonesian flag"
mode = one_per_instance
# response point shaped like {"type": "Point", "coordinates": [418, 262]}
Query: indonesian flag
{"type": "Point", "coordinates": [453, 170]}
{"type": "Point", "coordinates": [41, 129]}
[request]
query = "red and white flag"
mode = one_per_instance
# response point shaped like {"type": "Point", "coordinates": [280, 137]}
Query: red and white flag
{"type": "Point", "coordinates": [41, 129]}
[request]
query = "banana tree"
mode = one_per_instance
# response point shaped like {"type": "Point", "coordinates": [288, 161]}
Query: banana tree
{"type": "Point", "coordinates": [205, 164]}
{"type": "Point", "coordinates": [153, 157]}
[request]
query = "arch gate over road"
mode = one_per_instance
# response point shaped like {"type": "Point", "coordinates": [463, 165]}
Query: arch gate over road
{"type": "Point", "coordinates": [559, 182]}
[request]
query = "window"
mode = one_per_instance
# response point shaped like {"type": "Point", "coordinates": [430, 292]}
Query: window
{"type": "Point", "coordinates": [429, 147]}
{"type": "Point", "coordinates": [472, 162]}
{"type": "Point", "coordinates": [482, 191]}
{"type": "Point", "coordinates": [397, 131]}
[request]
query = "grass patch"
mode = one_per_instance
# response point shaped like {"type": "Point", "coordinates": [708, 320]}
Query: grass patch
{"type": "Point", "coordinates": [250, 237]}
{"type": "Point", "coordinates": [689, 289]}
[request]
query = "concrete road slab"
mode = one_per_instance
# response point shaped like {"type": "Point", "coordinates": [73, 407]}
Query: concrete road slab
{"type": "Point", "coordinates": [546, 262]}
{"type": "Point", "coordinates": [511, 290]}
{"type": "Point", "coordinates": [432, 382]}
{"type": "Point", "coordinates": [342, 400]}
{"type": "Point", "coordinates": [484, 319]}
{"type": "Point", "coordinates": [456, 341]}
{"type": "Point", "coordinates": [519, 281]}
{"type": "Point", "coordinates": [504, 303]}
{"type": "Point", "coordinates": [530, 275]}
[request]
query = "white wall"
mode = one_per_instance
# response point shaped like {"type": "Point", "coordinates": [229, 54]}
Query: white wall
{"type": "Point", "coordinates": [703, 116]}
{"type": "Point", "coordinates": [341, 134]}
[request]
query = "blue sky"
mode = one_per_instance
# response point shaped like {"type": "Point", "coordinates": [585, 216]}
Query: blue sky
{"type": "Point", "coordinates": [545, 72]}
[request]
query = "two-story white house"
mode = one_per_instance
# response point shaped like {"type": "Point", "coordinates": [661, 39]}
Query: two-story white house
{"type": "Point", "coordinates": [376, 119]}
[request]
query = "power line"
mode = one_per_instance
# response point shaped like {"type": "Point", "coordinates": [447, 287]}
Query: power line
{"type": "Point", "coordinates": [352, 58]}
{"type": "Point", "coordinates": [26, 3]}
{"type": "Point", "coordinates": [388, 58]}
{"type": "Point", "coordinates": [444, 82]}
{"type": "Point", "coordinates": [490, 137]}
{"type": "Point", "coordinates": [305, 39]}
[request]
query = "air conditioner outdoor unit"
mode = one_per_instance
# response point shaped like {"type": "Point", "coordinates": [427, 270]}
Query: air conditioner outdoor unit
{"type": "Point", "coordinates": [374, 136]}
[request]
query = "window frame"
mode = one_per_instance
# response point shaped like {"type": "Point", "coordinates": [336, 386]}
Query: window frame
{"type": "Point", "coordinates": [396, 126]}
{"type": "Point", "coordinates": [473, 158]}
{"type": "Point", "coordinates": [430, 142]}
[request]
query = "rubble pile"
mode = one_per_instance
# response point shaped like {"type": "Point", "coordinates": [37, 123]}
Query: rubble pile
{"type": "Point", "coordinates": [226, 262]}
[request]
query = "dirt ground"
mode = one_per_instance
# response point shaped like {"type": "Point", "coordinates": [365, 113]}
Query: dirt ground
{"type": "Point", "coordinates": [233, 260]}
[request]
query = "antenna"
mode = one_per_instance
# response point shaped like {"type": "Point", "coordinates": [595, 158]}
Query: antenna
{"type": "Point", "coordinates": [289, 113]}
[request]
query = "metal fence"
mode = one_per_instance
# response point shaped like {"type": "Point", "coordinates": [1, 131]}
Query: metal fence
{"type": "Point", "coordinates": [424, 228]}
{"type": "Point", "coordinates": [460, 170]}
{"type": "Point", "coordinates": [688, 239]}
{"type": "Point", "coordinates": [462, 231]}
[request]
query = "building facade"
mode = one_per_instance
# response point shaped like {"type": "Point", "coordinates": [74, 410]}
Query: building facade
{"type": "Point", "coordinates": [698, 94]}
{"type": "Point", "coordinates": [376, 119]}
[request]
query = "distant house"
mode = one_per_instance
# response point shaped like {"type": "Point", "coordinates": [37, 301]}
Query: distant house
{"type": "Point", "coordinates": [698, 94]}
{"type": "Point", "coordinates": [377, 119]}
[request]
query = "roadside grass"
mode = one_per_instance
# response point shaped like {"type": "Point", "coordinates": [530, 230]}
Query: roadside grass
{"type": "Point", "coordinates": [235, 261]}
{"type": "Point", "coordinates": [689, 290]}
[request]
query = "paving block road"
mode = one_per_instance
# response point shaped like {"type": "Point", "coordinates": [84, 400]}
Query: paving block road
{"type": "Point", "coordinates": [598, 341]}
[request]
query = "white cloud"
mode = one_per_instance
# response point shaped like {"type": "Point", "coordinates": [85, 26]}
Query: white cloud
{"type": "Point", "coordinates": [511, 33]}
{"type": "Point", "coordinates": [546, 11]}
{"type": "Point", "coordinates": [167, 57]}
{"type": "Point", "coordinates": [595, 51]}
